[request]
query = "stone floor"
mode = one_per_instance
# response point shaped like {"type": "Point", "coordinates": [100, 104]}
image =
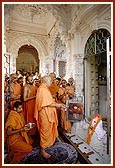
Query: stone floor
{"type": "Point", "coordinates": [81, 128]}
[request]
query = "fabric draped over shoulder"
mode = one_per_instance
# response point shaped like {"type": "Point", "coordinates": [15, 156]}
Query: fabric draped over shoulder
{"type": "Point", "coordinates": [19, 144]}
{"type": "Point", "coordinates": [54, 89]}
{"type": "Point", "coordinates": [29, 107]}
{"type": "Point", "coordinates": [71, 89]}
{"type": "Point", "coordinates": [46, 117]}
{"type": "Point", "coordinates": [17, 91]}
{"type": "Point", "coordinates": [16, 121]}
{"type": "Point", "coordinates": [66, 125]}
{"type": "Point", "coordinates": [43, 100]}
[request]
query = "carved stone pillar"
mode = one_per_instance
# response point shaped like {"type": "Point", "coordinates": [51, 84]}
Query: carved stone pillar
{"type": "Point", "coordinates": [43, 67]}
{"type": "Point", "coordinates": [78, 76]}
{"type": "Point", "coordinates": [4, 44]}
{"type": "Point", "coordinates": [12, 64]}
{"type": "Point", "coordinates": [68, 60]}
{"type": "Point", "coordinates": [46, 66]}
{"type": "Point", "coordinates": [56, 66]}
{"type": "Point", "coordinates": [50, 64]}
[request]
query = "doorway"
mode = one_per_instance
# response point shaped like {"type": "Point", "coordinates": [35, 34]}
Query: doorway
{"type": "Point", "coordinates": [28, 60]}
{"type": "Point", "coordinates": [95, 74]}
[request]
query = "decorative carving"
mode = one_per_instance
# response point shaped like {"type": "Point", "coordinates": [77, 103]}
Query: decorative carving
{"type": "Point", "coordinates": [28, 11]}
{"type": "Point", "coordinates": [76, 10]}
{"type": "Point", "coordinates": [21, 39]}
{"type": "Point", "coordinates": [107, 16]}
{"type": "Point", "coordinates": [94, 25]}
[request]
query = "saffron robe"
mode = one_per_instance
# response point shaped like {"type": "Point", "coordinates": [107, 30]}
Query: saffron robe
{"type": "Point", "coordinates": [19, 144]}
{"type": "Point", "coordinates": [66, 125]}
{"type": "Point", "coordinates": [46, 117]}
{"type": "Point", "coordinates": [17, 90]}
{"type": "Point", "coordinates": [54, 89]}
{"type": "Point", "coordinates": [29, 107]}
{"type": "Point", "coordinates": [71, 91]}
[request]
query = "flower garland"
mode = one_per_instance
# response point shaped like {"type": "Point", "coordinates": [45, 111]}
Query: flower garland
{"type": "Point", "coordinates": [91, 130]}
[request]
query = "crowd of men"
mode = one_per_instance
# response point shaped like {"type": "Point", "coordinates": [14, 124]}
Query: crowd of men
{"type": "Point", "coordinates": [40, 100]}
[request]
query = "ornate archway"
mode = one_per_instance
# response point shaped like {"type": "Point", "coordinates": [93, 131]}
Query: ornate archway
{"type": "Point", "coordinates": [28, 59]}
{"type": "Point", "coordinates": [95, 73]}
{"type": "Point", "coordinates": [28, 40]}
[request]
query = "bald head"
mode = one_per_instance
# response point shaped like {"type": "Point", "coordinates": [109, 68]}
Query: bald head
{"type": "Point", "coordinates": [53, 76]}
{"type": "Point", "coordinates": [47, 80]}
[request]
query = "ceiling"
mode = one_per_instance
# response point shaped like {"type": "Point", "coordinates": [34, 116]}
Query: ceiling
{"type": "Point", "coordinates": [37, 18]}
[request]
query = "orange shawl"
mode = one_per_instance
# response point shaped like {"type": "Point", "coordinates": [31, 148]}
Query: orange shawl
{"type": "Point", "coordinates": [43, 100]}
{"type": "Point", "coordinates": [46, 117]}
{"type": "Point", "coordinates": [16, 121]}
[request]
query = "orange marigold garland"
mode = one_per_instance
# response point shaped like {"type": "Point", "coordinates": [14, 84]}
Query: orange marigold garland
{"type": "Point", "coordinates": [91, 130]}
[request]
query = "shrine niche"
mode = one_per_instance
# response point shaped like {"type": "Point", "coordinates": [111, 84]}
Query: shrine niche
{"type": "Point", "coordinates": [75, 109]}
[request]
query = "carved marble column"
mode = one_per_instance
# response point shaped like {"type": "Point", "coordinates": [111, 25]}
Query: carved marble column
{"type": "Point", "coordinates": [46, 66]}
{"type": "Point", "coordinates": [12, 63]}
{"type": "Point", "coordinates": [56, 66]}
{"type": "Point", "coordinates": [50, 64]}
{"type": "Point", "coordinates": [43, 67]}
{"type": "Point", "coordinates": [68, 59]}
{"type": "Point", "coordinates": [4, 46]}
{"type": "Point", "coordinates": [78, 59]}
